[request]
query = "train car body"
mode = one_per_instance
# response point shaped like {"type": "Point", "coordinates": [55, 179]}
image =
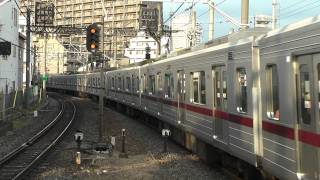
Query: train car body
{"type": "Point", "coordinates": [256, 98]}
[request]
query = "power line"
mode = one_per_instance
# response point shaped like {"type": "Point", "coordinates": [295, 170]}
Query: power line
{"type": "Point", "coordinates": [301, 10]}
{"type": "Point", "coordinates": [285, 13]}
{"type": "Point", "coordinates": [171, 15]}
{"type": "Point", "coordinates": [20, 9]}
{"type": "Point", "coordinates": [292, 5]}
{"type": "Point", "coordinates": [209, 8]}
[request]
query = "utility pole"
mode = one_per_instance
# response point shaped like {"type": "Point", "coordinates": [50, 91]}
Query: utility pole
{"type": "Point", "coordinates": [101, 103]}
{"type": "Point", "coordinates": [274, 14]}
{"type": "Point", "coordinates": [244, 14]}
{"type": "Point", "coordinates": [27, 58]}
{"type": "Point", "coordinates": [45, 66]}
{"type": "Point", "coordinates": [34, 63]}
{"type": "Point", "coordinates": [28, 51]}
{"type": "Point", "coordinates": [116, 44]}
{"type": "Point", "coordinates": [58, 63]}
{"type": "Point", "coordinates": [211, 21]}
{"type": "Point", "coordinates": [193, 20]}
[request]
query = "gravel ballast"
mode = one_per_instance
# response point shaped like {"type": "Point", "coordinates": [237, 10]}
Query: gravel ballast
{"type": "Point", "coordinates": [28, 126]}
{"type": "Point", "coordinates": [144, 147]}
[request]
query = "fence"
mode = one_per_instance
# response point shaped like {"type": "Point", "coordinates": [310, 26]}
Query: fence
{"type": "Point", "coordinates": [16, 100]}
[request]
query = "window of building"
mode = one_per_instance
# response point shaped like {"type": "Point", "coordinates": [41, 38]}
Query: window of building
{"type": "Point", "coordinates": [128, 88]}
{"type": "Point", "coordinates": [14, 51]}
{"type": "Point", "coordinates": [15, 17]}
{"type": "Point", "coordinates": [272, 83]}
{"type": "Point", "coordinates": [152, 84]}
{"type": "Point", "coordinates": [241, 90]}
{"type": "Point", "coordinates": [169, 85]}
{"type": "Point", "coordinates": [198, 87]}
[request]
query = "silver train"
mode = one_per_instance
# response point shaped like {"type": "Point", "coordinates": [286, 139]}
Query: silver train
{"type": "Point", "coordinates": [256, 98]}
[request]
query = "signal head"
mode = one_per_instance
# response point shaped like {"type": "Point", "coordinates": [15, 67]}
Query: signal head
{"type": "Point", "coordinates": [93, 30]}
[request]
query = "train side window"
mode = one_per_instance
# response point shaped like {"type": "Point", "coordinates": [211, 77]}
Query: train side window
{"type": "Point", "coordinates": [152, 84]}
{"type": "Point", "coordinates": [272, 83]}
{"type": "Point", "coordinates": [98, 82]}
{"type": "Point", "coordinates": [119, 83]}
{"type": "Point", "coordinates": [169, 85]}
{"type": "Point", "coordinates": [159, 81]}
{"type": "Point", "coordinates": [198, 87]}
{"type": "Point", "coordinates": [138, 85]}
{"type": "Point", "coordinates": [112, 83]}
{"type": "Point", "coordinates": [144, 83]}
{"type": "Point", "coordinates": [241, 86]}
{"type": "Point", "coordinates": [123, 84]}
{"type": "Point", "coordinates": [305, 94]}
{"type": "Point", "coordinates": [133, 85]}
{"type": "Point", "coordinates": [128, 88]}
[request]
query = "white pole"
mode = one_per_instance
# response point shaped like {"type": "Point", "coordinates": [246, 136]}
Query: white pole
{"type": "Point", "coordinates": [274, 14]}
{"type": "Point", "coordinates": [244, 14]}
{"type": "Point", "coordinates": [211, 22]}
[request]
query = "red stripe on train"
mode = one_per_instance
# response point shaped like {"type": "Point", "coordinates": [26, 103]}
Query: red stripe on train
{"type": "Point", "coordinates": [197, 109]}
{"type": "Point", "coordinates": [287, 132]}
{"type": "Point", "coordinates": [309, 138]}
{"type": "Point", "coordinates": [278, 130]}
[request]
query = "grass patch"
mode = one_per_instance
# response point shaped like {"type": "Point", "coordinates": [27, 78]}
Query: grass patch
{"type": "Point", "coordinates": [20, 123]}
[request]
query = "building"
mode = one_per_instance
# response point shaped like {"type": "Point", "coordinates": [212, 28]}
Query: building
{"type": "Point", "coordinates": [136, 52]}
{"type": "Point", "coordinates": [186, 32]}
{"type": "Point", "coordinates": [55, 56]}
{"type": "Point", "coordinates": [9, 65]}
{"type": "Point", "coordinates": [123, 18]}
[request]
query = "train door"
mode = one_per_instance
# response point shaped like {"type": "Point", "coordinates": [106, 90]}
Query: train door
{"type": "Point", "coordinates": [181, 95]}
{"type": "Point", "coordinates": [219, 78]}
{"type": "Point", "coordinates": [308, 67]}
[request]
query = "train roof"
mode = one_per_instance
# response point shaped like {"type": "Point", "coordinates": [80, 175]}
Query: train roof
{"type": "Point", "coordinates": [294, 26]}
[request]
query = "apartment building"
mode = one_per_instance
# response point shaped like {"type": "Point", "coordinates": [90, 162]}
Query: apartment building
{"type": "Point", "coordinates": [123, 19]}
{"type": "Point", "coordinates": [187, 32]}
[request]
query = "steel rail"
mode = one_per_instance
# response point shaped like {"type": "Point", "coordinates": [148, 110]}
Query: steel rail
{"type": "Point", "coordinates": [29, 143]}
{"type": "Point", "coordinates": [50, 146]}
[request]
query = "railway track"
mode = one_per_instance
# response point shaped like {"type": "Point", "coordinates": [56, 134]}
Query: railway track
{"type": "Point", "coordinates": [20, 161]}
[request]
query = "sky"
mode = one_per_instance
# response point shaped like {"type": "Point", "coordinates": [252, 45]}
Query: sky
{"type": "Point", "coordinates": [289, 11]}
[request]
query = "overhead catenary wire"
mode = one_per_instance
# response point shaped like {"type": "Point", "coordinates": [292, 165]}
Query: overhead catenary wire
{"type": "Point", "coordinates": [171, 15]}
{"type": "Point", "coordinates": [287, 8]}
{"type": "Point", "coordinates": [304, 9]}
{"type": "Point", "coordinates": [285, 12]}
{"type": "Point", "coordinates": [20, 9]}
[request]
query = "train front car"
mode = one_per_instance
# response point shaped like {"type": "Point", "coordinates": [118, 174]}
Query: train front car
{"type": "Point", "coordinates": [289, 73]}
{"type": "Point", "coordinates": [255, 98]}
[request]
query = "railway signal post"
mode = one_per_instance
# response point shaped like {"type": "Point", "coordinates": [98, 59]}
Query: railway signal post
{"type": "Point", "coordinates": [93, 42]}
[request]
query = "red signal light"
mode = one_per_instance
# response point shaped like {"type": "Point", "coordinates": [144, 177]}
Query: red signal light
{"type": "Point", "coordinates": [93, 46]}
{"type": "Point", "coordinates": [93, 30]}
